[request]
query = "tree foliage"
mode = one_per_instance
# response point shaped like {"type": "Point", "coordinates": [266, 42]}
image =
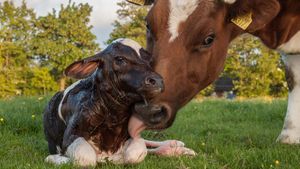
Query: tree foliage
{"type": "Point", "coordinates": [16, 32]}
{"type": "Point", "coordinates": [256, 70]}
{"type": "Point", "coordinates": [63, 37]}
{"type": "Point", "coordinates": [35, 50]}
{"type": "Point", "coordinates": [131, 23]}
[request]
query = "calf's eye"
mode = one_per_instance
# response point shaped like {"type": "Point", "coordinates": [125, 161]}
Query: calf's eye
{"type": "Point", "coordinates": [119, 60]}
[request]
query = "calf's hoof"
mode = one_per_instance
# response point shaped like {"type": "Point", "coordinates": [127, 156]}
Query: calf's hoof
{"type": "Point", "coordinates": [82, 153]}
{"type": "Point", "coordinates": [289, 137]}
{"type": "Point", "coordinates": [172, 150]}
{"type": "Point", "coordinates": [57, 159]}
{"type": "Point", "coordinates": [173, 143]}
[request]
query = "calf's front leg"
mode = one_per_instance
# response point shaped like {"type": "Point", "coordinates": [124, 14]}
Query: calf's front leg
{"type": "Point", "coordinates": [169, 148]}
{"type": "Point", "coordinates": [290, 133]}
{"type": "Point", "coordinates": [77, 148]}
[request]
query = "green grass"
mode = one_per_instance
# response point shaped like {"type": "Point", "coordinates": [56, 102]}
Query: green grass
{"type": "Point", "coordinates": [225, 134]}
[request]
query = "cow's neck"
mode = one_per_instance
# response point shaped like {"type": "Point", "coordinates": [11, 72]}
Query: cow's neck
{"type": "Point", "coordinates": [283, 33]}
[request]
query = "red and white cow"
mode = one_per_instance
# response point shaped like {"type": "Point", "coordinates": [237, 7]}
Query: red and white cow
{"type": "Point", "coordinates": [189, 41]}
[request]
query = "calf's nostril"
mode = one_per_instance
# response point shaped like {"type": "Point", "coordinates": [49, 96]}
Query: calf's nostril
{"type": "Point", "coordinates": [150, 81]}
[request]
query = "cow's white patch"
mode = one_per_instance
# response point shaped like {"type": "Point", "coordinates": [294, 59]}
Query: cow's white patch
{"type": "Point", "coordinates": [82, 153]}
{"type": "Point", "coordinates": [57, 159]}
{"type": "Point", "coordinates": [291, 130]}
{"type": "Point", "coordinates": [180, 10]}
{"type": "Point", "coordinates": [292, 46]}
{"type": "Point", "coordinates": [229, 1]}
{"type": "Point", "coordinates": [131, 43]}
{"type": "Point", "coordinates": [62, 100]}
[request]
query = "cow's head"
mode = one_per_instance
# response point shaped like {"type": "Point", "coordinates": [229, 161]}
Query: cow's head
{"type": "Point", "coordinates": [189, 41]}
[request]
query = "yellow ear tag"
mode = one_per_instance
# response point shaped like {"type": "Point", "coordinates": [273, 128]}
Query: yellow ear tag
{"type": "Point", "coordinates": [138, 2]}
{"type": "Point", "coordinates": [243, 21]}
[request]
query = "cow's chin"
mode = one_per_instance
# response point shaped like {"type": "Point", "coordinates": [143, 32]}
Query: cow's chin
{"type": "Point", "coordinates": [148, 117]}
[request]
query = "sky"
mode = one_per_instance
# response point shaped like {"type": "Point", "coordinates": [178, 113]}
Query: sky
{"type": "Point", "coordinates": [102, 17]}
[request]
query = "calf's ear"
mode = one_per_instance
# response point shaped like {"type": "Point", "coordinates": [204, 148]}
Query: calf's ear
{"type": "Point", "coordinates": [252, 15]}
{"type": "Point", "coordinates": [141, 2]}
{"type": "Point", "coordinates": [84, 68]}
{"type": "Point", "coordinates": [145, 55]}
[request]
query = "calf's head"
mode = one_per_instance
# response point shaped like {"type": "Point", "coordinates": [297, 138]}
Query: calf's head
{"type": "Point", "coordinates": [123, 68]}
{"type": "Point", "coordinates": [189, 39]}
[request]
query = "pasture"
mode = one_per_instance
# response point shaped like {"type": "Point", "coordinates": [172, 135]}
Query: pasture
{"type": "Point", "coordinates": [225, 134]}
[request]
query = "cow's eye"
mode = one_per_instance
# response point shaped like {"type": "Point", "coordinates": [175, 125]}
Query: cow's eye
{"type": "Point", "coordinates": [120, 60]}
{"type": "Point", "coordinates": [208, 41]}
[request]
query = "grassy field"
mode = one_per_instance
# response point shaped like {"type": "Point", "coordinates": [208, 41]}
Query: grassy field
{"type": "Point", "coordinates": [225, 134]}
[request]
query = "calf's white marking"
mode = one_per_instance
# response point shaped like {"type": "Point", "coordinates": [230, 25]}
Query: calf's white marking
{"type": "Point", "coordinates": [62, 100]}
{"type": "Point", "coordinates": [57, 159]}
{"type": "Point", "coordinates": [130, 43]}
{"type": "Point", "coordinates": [291, 130]}
{"type": "Point", "coordinates": [180, 10]}
{"type": "Point", "coordinates": [229, 1]}
{"type": "Point", "coordinates": [133, 151]}
{"type": "Point", "coordinates": [82, 153]}
{"type": "Point", "coordinates": [136, 151]}
{"type": "Point", "coordinates": [169, 148]}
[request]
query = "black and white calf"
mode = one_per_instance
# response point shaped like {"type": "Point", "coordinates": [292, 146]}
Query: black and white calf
{"type": "Point", "coordinates": [88, 122]}
{"type": "Point", "coordinates": [91, 120]}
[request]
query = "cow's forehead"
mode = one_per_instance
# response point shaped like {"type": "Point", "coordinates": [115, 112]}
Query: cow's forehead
{"type": "Point", "coordinates": [130, 43]}
{"type": "Point", "coordinates": [180, 10]}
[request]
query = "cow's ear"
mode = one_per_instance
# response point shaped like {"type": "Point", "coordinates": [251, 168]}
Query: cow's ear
{"type": "Point", "coordinates": [252, 15]}
{"type": "Point", "coordinates": [141, 2]}
{"type": "Point", "coordinates": [84, 68]}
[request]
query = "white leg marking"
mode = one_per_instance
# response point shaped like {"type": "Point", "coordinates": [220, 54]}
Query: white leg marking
{"type": "Point", "coordinates": [136, 151]}
{"type": "Point", "coordinates": [229, 1]}
{"type": "Point", "coordinates": [292, 46]}
{"type": "Point", "coordinates": [57, 159]}
{"type": "Point", "coordinates": [62, 100]}
{"type": "Point", "coordinates": [180, 10]}
{"type": "Point", "coordinates": [291, 130]}
{"type": "Point", "coordinates": [169, 148]}
{"type": "Point", "coordinates": [132, 152]}
{"type": "Point", "coordinates": [155, 144]}
{"type": "Point", "coordinates": [82, 153]}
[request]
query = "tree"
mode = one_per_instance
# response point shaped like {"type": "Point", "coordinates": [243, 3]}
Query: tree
{"type": "Point", "coordinates": [131, 23]}
{"type": "Point", "coordinates": [63, 37]}
{"type": "Point", "coordinates": [40, 82]}
{"type": "Point", "coordinates": [16, 32]}
{"type": "Point", "coordinates": [256, 70]}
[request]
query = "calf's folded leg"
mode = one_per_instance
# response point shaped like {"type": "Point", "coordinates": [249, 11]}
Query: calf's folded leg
{"type": "Point", "coordinates": [169, 148]}
{"type": "Point", "coordinates": [156, 144]}
{"type": "Point", "coordinates": [57, 159]}
{"type": "Point", "coordinates": [82, 153]}
{"type": "Point", "coordinates": [77, 148]}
